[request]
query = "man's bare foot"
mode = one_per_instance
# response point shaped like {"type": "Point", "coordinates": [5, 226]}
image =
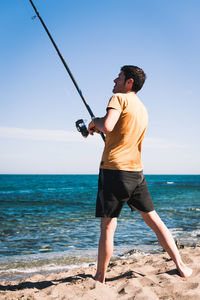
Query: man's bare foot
{"type": "Point", "coordinates": [99, 277]}
{"type": "Point", "coordinates": [185, 271]}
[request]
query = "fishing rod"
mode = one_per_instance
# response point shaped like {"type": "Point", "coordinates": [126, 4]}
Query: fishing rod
{"type": "Point", "coordinates": [80, 125]}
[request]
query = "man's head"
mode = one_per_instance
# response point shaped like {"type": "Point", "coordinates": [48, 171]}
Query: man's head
{"type": "Point", "coordinates": [130, 79]}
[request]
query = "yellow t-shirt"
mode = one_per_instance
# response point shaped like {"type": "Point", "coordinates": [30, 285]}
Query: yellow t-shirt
{"type": "Point", "coordinates": [123, 145]}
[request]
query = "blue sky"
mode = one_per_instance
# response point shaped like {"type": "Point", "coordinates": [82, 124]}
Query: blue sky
{"type": "Point", "coordinates": [39, 104]}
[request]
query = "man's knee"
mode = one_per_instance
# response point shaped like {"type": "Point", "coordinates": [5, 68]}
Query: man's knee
{"type": "Point", "coordinates": [151, 218]}
{"type": "Point", "coordinates": [108, 224]}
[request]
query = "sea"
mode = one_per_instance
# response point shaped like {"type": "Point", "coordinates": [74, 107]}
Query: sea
{"type": "Point", "coordinates": [47, 222]}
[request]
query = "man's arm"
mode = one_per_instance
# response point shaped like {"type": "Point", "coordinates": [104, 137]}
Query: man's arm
{"type": "Point", "coordinates": [105, 124]}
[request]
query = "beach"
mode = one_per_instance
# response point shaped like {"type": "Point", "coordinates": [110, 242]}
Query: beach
{"type": "Point", "coordinates": [49, 240]}
{"type": "Point", "coordinates": [147, 277]}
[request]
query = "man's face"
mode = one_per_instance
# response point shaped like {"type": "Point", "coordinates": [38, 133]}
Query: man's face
{"type": "Point", "coordinates": [119, 86]}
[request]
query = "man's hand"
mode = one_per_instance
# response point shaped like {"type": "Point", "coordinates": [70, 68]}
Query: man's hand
{"type": "Point", "coordinates": [92, 128]}
{"type": "Point", "coordinates": [105, 124]}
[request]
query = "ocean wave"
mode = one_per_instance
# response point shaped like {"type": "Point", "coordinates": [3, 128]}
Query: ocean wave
{"type": "Point", "coordinates": [193, 209]}
{"type": "Point", "coordinates": [187, 238]}
{"type": "Point", "coordinates": [45, 268]}
{"type": "Point", "coordinates": [14, 274]}
{"type": "Point", "coordinates": [16, 191]}
{"type": "Point", "coordinates": [56, 189]}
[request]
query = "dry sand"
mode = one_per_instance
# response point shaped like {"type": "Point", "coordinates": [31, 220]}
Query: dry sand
{"type": "Point", "coordinates": [149, 277]}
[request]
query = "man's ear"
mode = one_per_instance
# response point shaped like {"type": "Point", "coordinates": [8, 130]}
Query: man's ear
{"type": "Point", "coordinates": [130, 82]}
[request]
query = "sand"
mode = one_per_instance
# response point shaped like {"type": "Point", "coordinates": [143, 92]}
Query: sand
{"type": "Point", "coordinates": [148, 277]}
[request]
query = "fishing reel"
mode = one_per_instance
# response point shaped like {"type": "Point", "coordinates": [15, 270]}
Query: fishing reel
{"type": "Point", "coordinates": [81, 127]}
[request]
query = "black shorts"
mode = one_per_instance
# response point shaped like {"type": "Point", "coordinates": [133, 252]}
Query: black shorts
{"type": "Point", "coordinates": [116, 187]}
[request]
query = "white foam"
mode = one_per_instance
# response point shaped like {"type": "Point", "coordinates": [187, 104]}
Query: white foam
{"type": "Point", "coordinates": [196, 233]}
{"type": "Point", "coordinates": [186, 237]}
{"type": "Point", "coordinates": [16, 191]}
{"type": "Point", "coordinates": [45, 268]}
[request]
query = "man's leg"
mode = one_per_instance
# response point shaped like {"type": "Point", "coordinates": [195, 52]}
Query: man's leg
{"type": "Point", "coordinates": [108, 226]}
{"type": "Point", "coordinates": [166, 240]}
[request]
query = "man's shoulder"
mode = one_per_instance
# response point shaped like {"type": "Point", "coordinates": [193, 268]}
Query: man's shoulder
{"type": "Point", "coordinates": [120, 97]}
{"type": "Point", "coordinates": [125, 96]}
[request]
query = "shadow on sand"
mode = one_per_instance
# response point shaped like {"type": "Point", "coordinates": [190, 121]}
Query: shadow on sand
{"type": "Point", "coordinates": [71, 279]}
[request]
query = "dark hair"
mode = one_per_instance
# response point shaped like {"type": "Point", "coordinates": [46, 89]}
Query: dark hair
{"type": "Point", "coordinates": [136, 74]}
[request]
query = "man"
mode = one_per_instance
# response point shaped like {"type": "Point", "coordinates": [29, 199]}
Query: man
{"type": "Point", "coordinates": [121, 178]}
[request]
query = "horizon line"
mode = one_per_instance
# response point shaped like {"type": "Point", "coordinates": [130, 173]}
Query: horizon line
{"type": "Point", "coordinates": [193, 174]}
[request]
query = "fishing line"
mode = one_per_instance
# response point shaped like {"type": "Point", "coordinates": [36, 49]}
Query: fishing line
{"type": "Point", "coordinates": [80, 123]}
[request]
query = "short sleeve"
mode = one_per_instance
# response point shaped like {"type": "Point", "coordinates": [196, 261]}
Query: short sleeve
{"type": "Point", "coordinates": [115, 102]}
